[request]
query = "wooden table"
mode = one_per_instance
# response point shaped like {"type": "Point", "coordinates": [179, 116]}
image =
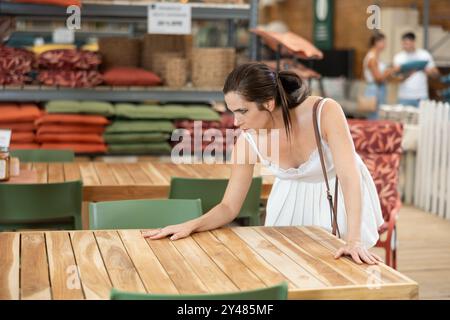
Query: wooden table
{"type": "Point", "coordinates": [43, 265]}
{"type": "Point", "coordinates": [121, 181]}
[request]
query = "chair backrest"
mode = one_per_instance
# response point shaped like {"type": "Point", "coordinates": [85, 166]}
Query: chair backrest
{"type": "Point", "coordinates": [142, 214]}
{"type": "Point", "coordinates": [40, 205]}
{"type": "Point", "coordinates": [42, 155]}
{"type": "Point", "coordinates": [379, 143]}
{"type": "Point", "coordinates": [211, 191]}
{"type": "Point", "coordinates": [277, 292]}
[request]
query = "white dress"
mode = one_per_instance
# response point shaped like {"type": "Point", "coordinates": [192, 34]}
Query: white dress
{"type": "Point", "coordinates": [298, 195]}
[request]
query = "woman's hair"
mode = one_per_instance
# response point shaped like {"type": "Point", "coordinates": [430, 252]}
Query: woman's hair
{"type": "Point", "coordinates": [377, 36]}
{"type": "Point", "coordinates": [256, 82]}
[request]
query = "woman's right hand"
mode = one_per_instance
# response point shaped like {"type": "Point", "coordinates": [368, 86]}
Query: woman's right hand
{"type": "Point", "coordinates": [177, 231]}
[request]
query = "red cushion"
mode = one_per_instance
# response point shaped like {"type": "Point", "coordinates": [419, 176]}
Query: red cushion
{"type": "Point", "coordinates": [72, 119]}
{"type": "Point", "coordinates": [22, 113]}
{"type": "Point", "coordinates": [18, 127]}
{"type": "Point", "coordinates": [23, 137]}
{"type": "Point", "coordinates": [65, 128]}
{"type": "Point", "coordinates": [122, 76]}
{"type": "Point", "coordinates": [64, 3]}
{"type": "Point", "coordinates": [17, 146]}
{"type": "Point", "coordinates": [70, 137]}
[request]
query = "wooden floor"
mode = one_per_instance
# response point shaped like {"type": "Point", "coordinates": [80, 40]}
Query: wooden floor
{"type": "Point", "coordinates": [424, 252]}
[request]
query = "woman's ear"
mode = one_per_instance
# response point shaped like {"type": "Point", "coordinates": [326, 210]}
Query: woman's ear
{"type": "Point", "coordinates": [270, 105]}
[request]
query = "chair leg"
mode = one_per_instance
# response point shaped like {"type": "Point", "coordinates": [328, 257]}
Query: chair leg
{"type": "Point", "coordinates": [394, 258]}
{"type": "Point", "coordinates": [254, 220]}
{"type": "Point", "coordinates": [388, 254]}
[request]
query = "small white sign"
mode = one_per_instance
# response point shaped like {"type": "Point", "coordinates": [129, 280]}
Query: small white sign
{"type": "Point", "coordinates": [63, 35]}
{"type": "Point", "coordinates": [169, 18]}
{"type": "Point", "coordinates": [5, 138]}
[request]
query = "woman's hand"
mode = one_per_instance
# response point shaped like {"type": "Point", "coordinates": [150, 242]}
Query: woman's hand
{"type": "Point", "coordinates": [177, 231]}
{"type": "Point", "coordinates": [358, 253]}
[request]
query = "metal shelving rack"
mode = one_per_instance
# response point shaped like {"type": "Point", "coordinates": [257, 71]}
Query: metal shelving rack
{"type": "Point", "coordinates": [126, 13]}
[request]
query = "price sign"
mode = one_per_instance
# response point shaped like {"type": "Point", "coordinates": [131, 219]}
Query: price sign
{"type": "Point", "coordinates": [169, 18]}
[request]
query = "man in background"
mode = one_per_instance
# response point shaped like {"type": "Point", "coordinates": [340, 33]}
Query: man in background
{"type": "Point", "coordinates": [414, 86]}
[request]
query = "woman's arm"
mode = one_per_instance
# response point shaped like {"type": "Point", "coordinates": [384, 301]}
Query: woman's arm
{"type": "Point", "coordinates": [335, 130]}
{"type": "Point", "coordinates": [380, 76]}
{"type": "Point", "coordinates": [227, 210]}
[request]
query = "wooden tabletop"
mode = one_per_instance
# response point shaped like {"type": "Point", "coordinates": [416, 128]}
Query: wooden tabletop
{"type": "Point", "coordinates": [121, 181]}
{"type": "Point", "coordinates": [87, 264]}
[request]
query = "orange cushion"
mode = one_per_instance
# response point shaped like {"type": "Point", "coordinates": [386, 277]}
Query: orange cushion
{"type": "Point", "coordinates": [77, 147]}
{"type": "Point", "coordinates": [72, 119]}
{"type": "Point", "coordinates": [63, 3]}
{"type": "Point", "coordinates": [122, 76]}
{"type": "Point", "coordinates": [60, 128]}
{"type": "Point", "coordinates": [19, 113]}
{"type": "Point", "coordinates": [23, 137]}
{"type": "Point", "coordinates": [18, 127]}
{"type": "Point", "coordinates": [16, 146]}
{"type": "Point", "coordinates": [70, 137]}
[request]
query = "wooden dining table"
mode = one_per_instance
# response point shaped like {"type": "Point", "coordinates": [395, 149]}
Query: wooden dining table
{"type": "Point", "coordinates": [87, 264]}
{"type": "Point", "coordinates": [123, 181]}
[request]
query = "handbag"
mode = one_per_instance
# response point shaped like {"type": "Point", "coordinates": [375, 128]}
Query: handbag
{"type": "Point", "coordinates": [333, 205]}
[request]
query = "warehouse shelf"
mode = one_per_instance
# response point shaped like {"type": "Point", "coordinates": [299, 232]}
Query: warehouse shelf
{"type": "Point", "coordinates": [108, 93]}
{"type": "Point", "coordinates": [119, 11]}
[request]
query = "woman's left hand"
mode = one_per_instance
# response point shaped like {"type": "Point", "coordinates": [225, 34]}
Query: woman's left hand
{"type": "Point", "coordinates": [358, 253]}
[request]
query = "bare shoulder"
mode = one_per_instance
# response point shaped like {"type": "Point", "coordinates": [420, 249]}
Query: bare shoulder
{"type": "Point", "coordinates": [332, 118]}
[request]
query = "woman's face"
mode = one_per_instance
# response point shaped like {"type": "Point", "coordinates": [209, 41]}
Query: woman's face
{"type": "Point", "coordinates": [246, 114]}
{"type": "Point", "coordinates": [380, 44]}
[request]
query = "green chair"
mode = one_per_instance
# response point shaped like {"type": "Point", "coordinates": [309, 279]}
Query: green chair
{"type": "Point", "coordinates": [142, 214]}
{"type": "Point", "coordinates": [211, 191]}
{"type": "Point", "coordinates": [42, 155]}
{"type": "Point", "coordinates": [43, 206]}
{"type": "Point", "coordinates": [278, 292]}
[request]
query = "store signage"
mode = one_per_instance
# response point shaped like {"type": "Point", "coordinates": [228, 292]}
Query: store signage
{"type": "Point", "coordinates": [169, 18]}
{"type": "Point", "coordinates": [323, 24]}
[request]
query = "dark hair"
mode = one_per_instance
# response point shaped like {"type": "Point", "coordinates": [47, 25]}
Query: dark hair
{"type": "Point", "coordinates": [256, 82]}
{"type": "Point", "coordinates": [377, 36]}
{"type": "Point", "coordinates": [409, 36]}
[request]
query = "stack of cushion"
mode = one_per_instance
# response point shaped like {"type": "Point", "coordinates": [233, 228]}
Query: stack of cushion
{"type": "Point", "coordinates": [15, 64]}
{"type": "Point", "coordinates": [80, 133]}
{"type": "Point", "coordinates": [139, 136]}
{"type": "Point", "coordinates": [20, 120]}
{"type": "Point", "coordinates": [225, 122]}
{"type": "Point", "coordinates": [69, 68]}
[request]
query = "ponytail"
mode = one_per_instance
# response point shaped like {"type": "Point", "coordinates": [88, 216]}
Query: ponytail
{"type": "Point", "coordinates": [284, 105]}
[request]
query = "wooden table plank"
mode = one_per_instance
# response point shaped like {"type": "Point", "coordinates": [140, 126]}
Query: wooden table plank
{"type": "Point", "coordinates": [313, 265]}
{"type": "Point", "coordinates": [137, 173]}
{"type": "Point", "coordinates": [263, 270]}
{"type": "Point", "coordinates": [152, 273]}
{"type": "Point", "coordinates": [105, 174]}
{"type": "Point", "coordinates": [71, 172]}
{"type": "Point", "coordinates": [34, 275]}
{"type": "Point", "coordinates": [160, 170]}
{"type": "Point", "coordinates": [343, 266]}
{"type": "Point", "coordinates": [181, 273]}
{"type": "Point", "coordinates": [154, 175]}
{"type": "Point", "coordinates": [210, 274]}
{"type": "Point", "coordinates": [55, 172]}
{"type": "Point", "coordinates": [242, 276]}
{"type": "Point", "coordinates": [25, 165]}
{"type": "Point", "coordinates": [289, 268]}
{"type": "Point", "coordinates": [88, 174]}
{"type": "Point", "coordinates": [41, 172]}
{"type": "Point", "coordinates": [386, 274]}
{"type": "Point", "coordinates": [94, 278]}
{"type": "Point", "coordinates": [121, 174]}
{"type": "Point", "coordinates": [120, 268]}
{"type": "Point", "coordinates": [9, 265]}
{"type": "Point", "coordinates": [64, 277]}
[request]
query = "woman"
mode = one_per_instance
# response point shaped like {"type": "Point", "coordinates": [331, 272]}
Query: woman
{"type": "Point", "coordinates": [376, 73]}
{"type": "Point", "coordinates": [263, 99]}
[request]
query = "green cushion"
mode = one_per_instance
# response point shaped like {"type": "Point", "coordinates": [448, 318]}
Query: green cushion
{"type": "Point", "coordinates": [170, 112]}
{"type": "Point", "coordinates": [136, 137]}
{"type": "Point", "coordinates": [140, 148]}
{"type": "Point", "coordinates": [71, 106]}
{"type": "Point", "coordinates": [130, 126]}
